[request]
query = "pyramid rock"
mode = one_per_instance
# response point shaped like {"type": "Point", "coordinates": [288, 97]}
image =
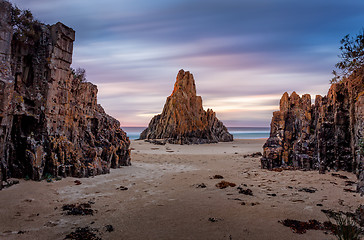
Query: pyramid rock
{"type": "Point", "coordinates": [183, 120]}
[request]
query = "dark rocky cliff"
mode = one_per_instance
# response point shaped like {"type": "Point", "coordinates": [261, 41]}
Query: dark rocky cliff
{"type": "Point", "coordinates": [50, 122]}
{"type": "Point", "coordinates": [183, 120]}
{"type": "Point", "coordinates": [326, 135]}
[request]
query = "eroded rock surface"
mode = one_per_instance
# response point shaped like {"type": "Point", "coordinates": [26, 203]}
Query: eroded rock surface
{"type": "Point", "coordinates": [183, 120]}
{"type": "Point", "coordinates": [326, 135]}
{"type": "Point", "coordinates": [50, 122]}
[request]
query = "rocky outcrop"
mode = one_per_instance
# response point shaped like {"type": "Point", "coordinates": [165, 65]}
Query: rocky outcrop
{"type": "Point", "coordinates": [326, 135]}
{"type": "Point", "coordinates": [50, 122]}
{"type": "Point", "coordinates": [290, 130]}
{"type": "Point", "coordinates": [183, 120]}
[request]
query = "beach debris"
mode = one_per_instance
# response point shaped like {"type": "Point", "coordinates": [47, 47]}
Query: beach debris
{"type": "Point", "coordinates": [217, 177]}
{"type": "Point", "coordinates": [85, 233]}
{"type": "Point", "coordinates": [247, 191]}
{"type": "Point", "coordinates": [78, 209]}
{"type": "Point", "coordinates": [224, 184]}
{"type": "Point", "coordinates": [309, 190]}
{"type": "Point", "coordinates": [272, 194]}
{"type": "Point", "coordinates": [77, 182]}
{"type": "Point", "coordinates": [301, 227]}
{"type": "Point", "coordinates": [253, 155]}
{"type": "Point", "coordinates": [349, 183]}
{"type": "Point", "coordinates": [122, 188]}
{"type": "Point", "coordinates": [339, 176]}
{"type": "Point", "coordinates": [235, 199]}
{"type": "Point", "coordinates": [349, 190]}
{"type": "Point", "coordinates": [9, 182]}
{"type": "Point", "coordinates": [202, 185]}
{"type": "Point", "coordinates": [212, 219]}
{"type": "Point", "coordinates": [109, 228]}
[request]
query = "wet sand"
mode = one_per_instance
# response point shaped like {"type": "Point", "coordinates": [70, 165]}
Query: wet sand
{"type": "Point", "coordinates": [164, 199]}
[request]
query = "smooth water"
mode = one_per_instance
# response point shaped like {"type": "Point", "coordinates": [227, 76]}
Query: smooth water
{"type": "Point", "coordinates": [133, 132]}
{"type": "Point", "coordinates": [237, 132]}
{"type": "Point", "coordinates": [249, 132]}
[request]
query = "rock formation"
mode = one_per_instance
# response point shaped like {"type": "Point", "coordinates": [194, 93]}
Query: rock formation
{"type": "Point", "coordinates": [50, 122]}
{"type": "Point", "coordinates": [183, 120]}
{"type": "Point", "coordinates": [326, 135]}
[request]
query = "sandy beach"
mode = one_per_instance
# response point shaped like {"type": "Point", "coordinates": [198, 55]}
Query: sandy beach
{"type": "Point", "coordinates": [165, 198]}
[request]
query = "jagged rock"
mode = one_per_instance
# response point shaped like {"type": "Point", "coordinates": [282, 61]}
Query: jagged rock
{"type": "Point", "coordinates": [183, 120]}
{"type": "Point", "coordinates": [290, 130]}
{"type": "Point", "coordinates": [327, 134]}
{"type": "Point", "coordinates": [50, 122]}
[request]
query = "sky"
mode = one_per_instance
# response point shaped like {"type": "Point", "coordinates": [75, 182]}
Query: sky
{"type": "Point", "coordinates": [244, 54]}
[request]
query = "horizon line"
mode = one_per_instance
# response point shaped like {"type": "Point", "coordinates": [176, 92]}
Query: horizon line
{"type": "Point", "coordinates": [226, 126]}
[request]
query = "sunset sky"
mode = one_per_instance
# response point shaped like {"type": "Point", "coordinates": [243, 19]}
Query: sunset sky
{"type": "Point", "coordinates": [244, 54]}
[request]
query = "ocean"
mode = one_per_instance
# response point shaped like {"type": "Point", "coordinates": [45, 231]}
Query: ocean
{"type": "Point", "coordinates": [237, 132]}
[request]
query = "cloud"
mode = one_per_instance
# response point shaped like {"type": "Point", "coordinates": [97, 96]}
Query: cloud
{"type": "Point", "coordinates": [240, 51]}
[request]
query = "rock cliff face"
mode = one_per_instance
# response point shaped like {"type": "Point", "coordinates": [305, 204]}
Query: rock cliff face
{"type": "Point", "coordinates": [50, 122]}
{"type": "Point", "coordinates": [183, 120]}
{"type": "Point", "coordinates": [326, 135]}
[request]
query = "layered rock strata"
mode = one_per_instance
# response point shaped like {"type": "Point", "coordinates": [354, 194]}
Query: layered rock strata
{"type": "Point", "coordinates": [328, 134]}
{"type": "Point", "coordinates": [183, 120]}
{"type": "Point", "coordinates": [50, 122]}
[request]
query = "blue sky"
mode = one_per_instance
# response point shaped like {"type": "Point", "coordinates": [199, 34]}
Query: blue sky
{"type": "Point", "coordinates": [244, 54]}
